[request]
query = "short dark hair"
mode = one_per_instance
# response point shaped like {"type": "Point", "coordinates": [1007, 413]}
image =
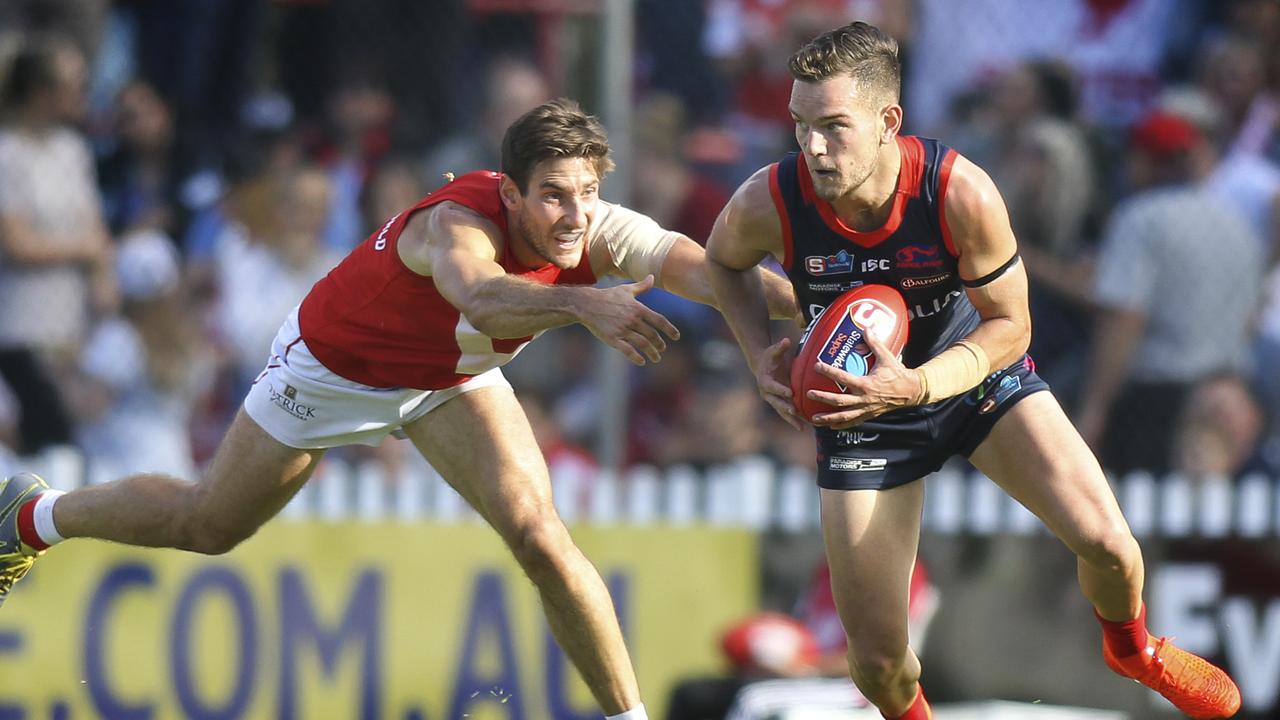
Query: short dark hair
{"type": "Point", "coordinates": [554, 129]}
{"type": "Point", "coordinates": [33, 69]}
{"type": "Point", "coordinates": [858, 49]}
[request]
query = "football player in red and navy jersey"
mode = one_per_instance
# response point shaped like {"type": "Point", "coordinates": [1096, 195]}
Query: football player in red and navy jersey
{"type": "Point", "coordinates": [859, 203]}
{"type": "Point", "coordinates": [407, 335]}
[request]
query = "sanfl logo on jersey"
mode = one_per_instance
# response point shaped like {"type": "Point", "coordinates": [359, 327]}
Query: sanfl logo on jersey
{"type": "Point", "coordinates": [841, 262]}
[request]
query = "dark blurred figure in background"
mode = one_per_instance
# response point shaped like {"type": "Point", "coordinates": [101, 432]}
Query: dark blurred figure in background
{"type": "Point", "coordinates": [672, 57]}
{"type": "Point", "coordinates": [750, 41]}
{"type": "Point", "coordinates": [136, 176]}
{"type": "Point", "coordinates": [1217, 433]}
{"type": "Point", "coordinates": [199, 56]}
{"type": "Point", "coordinates": [1044, 169]}
{"type": "Point", "coordinates": [512, 86]}
{"type": "Point", "coordinates": [669, 189]}
{"type": "Point", "coordinates": [1177, 281]}
{"type": "Point", "coordinates": [358, 136]}
{"type": "Point", "coordinates": [661, 401]}
{"type": "Point", "coordinates": [80, 22]}
{"type": "Point", "coordinates": [701, 437]}
{"type": "Point", "coordinates": [55, 253]}
{"type": "Point", "coordinates": [393, 185]}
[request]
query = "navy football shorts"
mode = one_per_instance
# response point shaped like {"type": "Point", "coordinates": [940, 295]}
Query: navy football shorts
{"type": "Point", "coordinates": [905, 445]}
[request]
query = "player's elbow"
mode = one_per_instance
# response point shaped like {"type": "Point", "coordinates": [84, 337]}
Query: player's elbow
{"type": "Point", "coordinates": [1020, 337]}
{"type": "Point", "coordinates": [717, 267]}
{"type": "Point", "coordinates": [782, 297]}
{"type": "Point", "coordinates": [1009, 339]}
{"type": "Point", "coordinates": [486, 319]}
{"type": "Point", "coordinates": [482, 308]}
{"type": "Point", "coordinates": [722, 278]}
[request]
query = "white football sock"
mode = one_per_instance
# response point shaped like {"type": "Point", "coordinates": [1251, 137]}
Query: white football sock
{"type": "Point", "coordinates": [635, 713]}
{"type": "Point", "coordinates": [42, 517]}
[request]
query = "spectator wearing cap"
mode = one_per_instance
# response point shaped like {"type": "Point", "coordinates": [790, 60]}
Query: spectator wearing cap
{"type": "Point", "coordinates": [1176, 282]}
{"type": "Point", "coordinates": [1250, 183]}
{"type": "Point", "coordinates": [142, 372]}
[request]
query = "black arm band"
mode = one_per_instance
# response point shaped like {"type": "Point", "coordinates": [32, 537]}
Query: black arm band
{"type": "Point", "coordinates": [993, 275]}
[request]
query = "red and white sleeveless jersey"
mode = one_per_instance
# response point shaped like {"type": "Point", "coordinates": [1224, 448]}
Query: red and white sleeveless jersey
{"type": "Point", "coordinates": [376, 322]}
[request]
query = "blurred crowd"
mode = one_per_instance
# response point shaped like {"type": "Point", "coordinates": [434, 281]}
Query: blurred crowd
{"type": "Point", "coordinates": [174, 175]}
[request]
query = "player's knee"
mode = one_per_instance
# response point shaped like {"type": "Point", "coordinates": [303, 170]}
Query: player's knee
{"type": "Point", "coordinates": [1110, 545]}
{"type": "Point", "coordinates": [878, 669]}
{"type": "Point", "coordinates": [540, 545]}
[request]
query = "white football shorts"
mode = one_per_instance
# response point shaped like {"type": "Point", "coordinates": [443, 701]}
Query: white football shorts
{"type": "Point", "coordinates": [299, 402]}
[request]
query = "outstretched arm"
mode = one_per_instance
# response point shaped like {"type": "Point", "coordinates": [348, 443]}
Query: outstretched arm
{"type": "Point", "coordinates": [631, 244]}
{"type": "Point", "coordinates": [459, 250]}
{"type": "Point", "coordinates": [686, 272]}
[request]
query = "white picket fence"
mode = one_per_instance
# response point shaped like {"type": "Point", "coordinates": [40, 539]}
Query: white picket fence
{"type": "Point", "coordinates": [750, 493]}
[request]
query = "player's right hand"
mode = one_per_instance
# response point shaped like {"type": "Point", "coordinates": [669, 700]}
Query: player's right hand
{"type": "Point", "coordinates": [772, 375]}
{"type": "Point", "coordinates": [624, 323]}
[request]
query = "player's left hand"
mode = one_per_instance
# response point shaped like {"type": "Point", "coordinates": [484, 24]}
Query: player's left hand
{"type": "Point", "coordinates": [889, 386]}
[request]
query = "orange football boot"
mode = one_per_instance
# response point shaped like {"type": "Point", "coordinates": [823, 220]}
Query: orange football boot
{"type": "Point", "coordinates": [1194, 685]}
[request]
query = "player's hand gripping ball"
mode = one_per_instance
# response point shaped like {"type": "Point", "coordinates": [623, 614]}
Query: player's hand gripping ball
{"type": "Point", "coordinates": [837, 337]}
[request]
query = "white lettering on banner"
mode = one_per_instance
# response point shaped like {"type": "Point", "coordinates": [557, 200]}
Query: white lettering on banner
{"type": "Point", "coordinates": [1184, 599]}
{"type": "Point", "coordinates": [1185, 595]}
{"type": "Point", "coordinates": [1253, 650]}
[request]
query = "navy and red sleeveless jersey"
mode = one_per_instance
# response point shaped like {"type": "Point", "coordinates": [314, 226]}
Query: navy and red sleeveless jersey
{"type": "Point", "coordinates": [912, 251]}
{"type": "Point", "coordinates": [376, 322]}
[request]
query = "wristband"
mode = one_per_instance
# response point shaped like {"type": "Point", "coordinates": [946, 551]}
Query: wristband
{"type": "Point", "coordinates": [957, 369]}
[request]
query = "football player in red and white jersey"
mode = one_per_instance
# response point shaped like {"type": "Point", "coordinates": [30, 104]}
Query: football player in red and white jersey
{"type": "Point", "coordinates": [407, 335]}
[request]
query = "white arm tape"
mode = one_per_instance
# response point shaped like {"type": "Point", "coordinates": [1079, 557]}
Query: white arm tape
{"type": "Point", "coordinates": [628, 243]}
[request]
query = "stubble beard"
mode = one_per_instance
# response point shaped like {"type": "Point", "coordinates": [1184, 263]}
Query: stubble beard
{"type": "Point", "coordinates": [524, 229]}
{"type": "Point", "coordinates": [832, 193]}
{"type": "Point", "coordinates": [546, 248]}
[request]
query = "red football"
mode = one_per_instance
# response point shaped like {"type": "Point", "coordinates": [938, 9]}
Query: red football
{"type": "Point", "coordinates": [836, 337]}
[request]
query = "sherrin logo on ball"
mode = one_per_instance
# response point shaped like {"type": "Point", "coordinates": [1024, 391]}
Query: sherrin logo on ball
{"type": "Point", "coordinates": [837, 337]}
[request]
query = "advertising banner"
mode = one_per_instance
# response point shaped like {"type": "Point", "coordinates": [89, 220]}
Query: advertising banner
{"type": "Point", "coordinates": [352, 620]}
